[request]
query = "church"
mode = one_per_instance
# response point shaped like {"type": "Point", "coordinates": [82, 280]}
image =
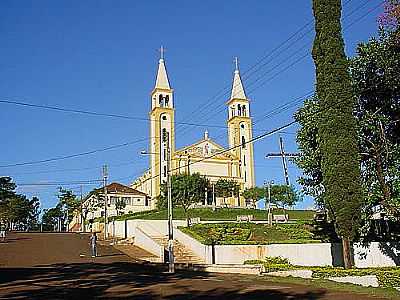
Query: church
{"type": "Point", "coordinates": [204, 156]}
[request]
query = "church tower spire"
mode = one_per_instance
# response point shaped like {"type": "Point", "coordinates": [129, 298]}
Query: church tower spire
{"type": "Point", "coordinates": [162, 81]}
{"type": "Point", "coordinates": [162, 127]}
{"type": "Point", "coordinates": [240, 129]}
{"type": "Point", "coordinates": [237, 86]}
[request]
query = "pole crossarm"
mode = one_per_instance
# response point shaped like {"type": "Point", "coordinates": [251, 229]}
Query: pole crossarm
{"type": "Point", "coordinates": [290, 155]}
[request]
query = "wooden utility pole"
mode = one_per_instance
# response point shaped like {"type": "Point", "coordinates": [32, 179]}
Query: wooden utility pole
{"type": "Point", "coordinates": [171, 265]}
{"type": "Point", "coordinates": [105, 176]}
{"type": "Point", "coordinates": [283, 155]}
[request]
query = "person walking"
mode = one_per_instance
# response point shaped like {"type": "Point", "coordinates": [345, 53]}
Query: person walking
{"type": "Point", "coordinates": [93, 244]}
{"type": "Point", "coordinates": [3, 229]}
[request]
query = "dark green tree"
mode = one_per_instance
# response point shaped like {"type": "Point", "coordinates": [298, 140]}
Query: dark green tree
{"type": "Point", "coordinates": [254, 194]}
{"type": "Point", "coordinates": [374, 74]}
{"type": "Point", "coordinates": [51, 217]}
{"type": "Point", "coordinates": [336, 124]}
{"type": "Point", "coordinates": [7, 192]}
{"type": "Point", "coordinates": [69, 203]}
{"type": "Point", "coordinates": [119, 206]}
{"type": "Point", "coordinates": [187, 190]}
{"type": "Point", "coordinates": [284, 196]}
{"type": "Point", "coordinates": [226, 188]}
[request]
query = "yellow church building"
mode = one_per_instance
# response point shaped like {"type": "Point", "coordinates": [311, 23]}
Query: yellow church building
{"type": "Point", "coordinates": [205, 156]}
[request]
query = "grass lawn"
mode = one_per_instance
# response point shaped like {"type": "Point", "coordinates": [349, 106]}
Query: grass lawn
{"type": "Point", "coordinates": [388, 277]}
{"type": "Point", "coordinates": [221, 214]}
{"type": "Point", "coordinates": [386, 293]}
{"type": "Point", "coordinates": [250, 233]}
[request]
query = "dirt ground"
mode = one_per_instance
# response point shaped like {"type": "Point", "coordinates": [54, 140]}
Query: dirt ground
{"type": "Point", "coordinates": [57, 266]}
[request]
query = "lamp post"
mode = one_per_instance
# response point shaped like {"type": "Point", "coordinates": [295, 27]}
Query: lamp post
{"type": "Point", "coordinates": [269, 215]}
{"type": "Point", "coordinates": [171, 264]}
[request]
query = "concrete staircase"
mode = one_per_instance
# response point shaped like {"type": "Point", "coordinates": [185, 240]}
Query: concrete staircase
{"type": "Point", "coordinates": [182, 254]}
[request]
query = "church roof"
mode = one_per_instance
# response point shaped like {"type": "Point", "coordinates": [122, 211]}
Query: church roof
{"type": "Point", "coordinates": [206, 148]}
{"type": "Point", "coordinates": [237, 85]}
{"type": "Point", "coordinates": [162, 81]}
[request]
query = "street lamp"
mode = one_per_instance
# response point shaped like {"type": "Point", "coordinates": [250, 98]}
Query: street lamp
{"type": "Point", "coordinates": [171, 265]}
{"type": "Point", "coordinates": [269, 216]}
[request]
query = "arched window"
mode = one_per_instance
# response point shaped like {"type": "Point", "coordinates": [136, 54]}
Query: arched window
{"type": "Point", "coordinates": [166, 100]}
{"type": "Point", "coordinates": [239, 108]}
{"type": "Point", "coordinates": [243, 142]}
{"type": "Point", "coordinates": [244, 110]}
{"type": "Point", "coordinates": [160, 100]}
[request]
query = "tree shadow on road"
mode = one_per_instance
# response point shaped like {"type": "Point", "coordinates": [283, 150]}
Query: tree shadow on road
{"type": "Point", "coordinates": [134, 281]}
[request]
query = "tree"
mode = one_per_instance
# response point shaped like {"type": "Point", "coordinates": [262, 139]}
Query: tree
{"type": "Point", "coordinates": [120, 205]}
{"type": "Point", "coordinates": [226, 188]}
{"type": "Point", "coordinates": [254, 194]}
{"type": "Point", "coordinates": [374, 74]}
{"type": "Point", "coordinates": [69, 203]}
{"type": "Point", "coordinates": [186, 191]}
{"type": "Point", "coordinates": [390, 19]}
{"type": "Point", "coordinates": [23, 213]}
{"type": "Point", "coordinates": [51, 217]}
{"type": "Point", "coordinates": [7, 192]}
{"type": "Point", "coordinates": [284, 195]}
{"type": "Point", "coordinates": [336, 124]}
{"type": "Point", "coordinates": [17, 210]}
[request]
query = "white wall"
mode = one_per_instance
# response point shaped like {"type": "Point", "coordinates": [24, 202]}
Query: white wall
{"type": "Point", "coordinates": [377, 255]}
{"type": "Point", "coordinates": [318, 254]}
{"type": "Point", "coordinates": [238, 254]}
{"type": "Point", "coordinates": [152, 228]}
{"type": "Point", "coordinates": [202, 251]}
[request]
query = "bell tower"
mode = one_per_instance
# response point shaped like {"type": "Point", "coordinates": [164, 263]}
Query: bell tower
{"type": "Point", "coordinates": [240, 129]}
{"type": "Point", "coordinates": [162, 127]}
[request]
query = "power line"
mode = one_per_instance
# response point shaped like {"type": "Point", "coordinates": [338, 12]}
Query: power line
{"type": "Point", "coordinates": [98, 114]}
{"type": "Point", "coordinates": [300, 58]}
{"type": "Point", "coordinates": [74, 155]}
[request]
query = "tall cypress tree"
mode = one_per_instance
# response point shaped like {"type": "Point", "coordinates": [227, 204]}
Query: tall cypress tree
{"type": "Point", "coordinates": [336, 124]}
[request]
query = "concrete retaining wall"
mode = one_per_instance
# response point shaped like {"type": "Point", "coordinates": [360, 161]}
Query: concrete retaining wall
{"type": "Point", "coordinates": [202, 251]}
{"type": "Point", "coordinates": [318, 254]}
{"type": "Point", "coordinates": [150, 227]}
{"type": "Point", "coordinates": [145, 242]}
{"type": "Point", "coordinates": [238, 254]}
{"type": "Point", "coordinates": [377, 254]}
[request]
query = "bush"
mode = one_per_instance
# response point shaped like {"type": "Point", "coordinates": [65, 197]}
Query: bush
{"type": "Point", "coordinates": [387, 277]}
{"type": "Point", "coordinates": [250, 233]}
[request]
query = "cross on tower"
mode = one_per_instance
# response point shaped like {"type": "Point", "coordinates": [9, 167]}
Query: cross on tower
{"type": "Point", "coordinates": [162, 51]}
{"type": "Point", "coordinates": [236, 63]}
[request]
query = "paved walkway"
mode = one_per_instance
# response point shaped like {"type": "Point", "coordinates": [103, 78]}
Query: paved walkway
{"type": "Point", "coordinates": [57, 266]}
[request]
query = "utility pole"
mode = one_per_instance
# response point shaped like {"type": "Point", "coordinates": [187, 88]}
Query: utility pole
{"type": "Point", "coordinates": [268, 186]}
{"type": "Point", "coordinates": [213, 194]}
{"type": "Point", "coordinates": [82, 218]}
{"type": "Point", "coordinates": [283, 155]}
{"type": "Point", "coordinates": [105, 176]}
{"type": "Point", "coordinates": [284, 162]}
{"type": "Point", "coordinates": [171, 265]}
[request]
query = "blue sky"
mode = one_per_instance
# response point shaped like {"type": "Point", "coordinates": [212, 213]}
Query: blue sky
{"type": "Point", "coordinates": [102, 56]}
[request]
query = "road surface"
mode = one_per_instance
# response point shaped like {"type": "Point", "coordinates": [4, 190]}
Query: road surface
{"type": "Point", "coordinates": [58, 266]}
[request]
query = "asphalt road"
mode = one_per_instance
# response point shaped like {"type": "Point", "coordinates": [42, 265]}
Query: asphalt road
{"type": "Point", "coordinates": [58, 266]}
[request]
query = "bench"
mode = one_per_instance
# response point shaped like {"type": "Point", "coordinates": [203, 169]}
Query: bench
{"type": "Point", "coordinates": [280, 218]}
{"type": "Point", "coordinates": [194, 220]}
{"type": "Point", "coordinates": [244, 218]}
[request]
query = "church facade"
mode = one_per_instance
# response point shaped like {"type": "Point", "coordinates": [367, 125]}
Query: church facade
{"type": "Point", "coordinates": [204, 156]}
